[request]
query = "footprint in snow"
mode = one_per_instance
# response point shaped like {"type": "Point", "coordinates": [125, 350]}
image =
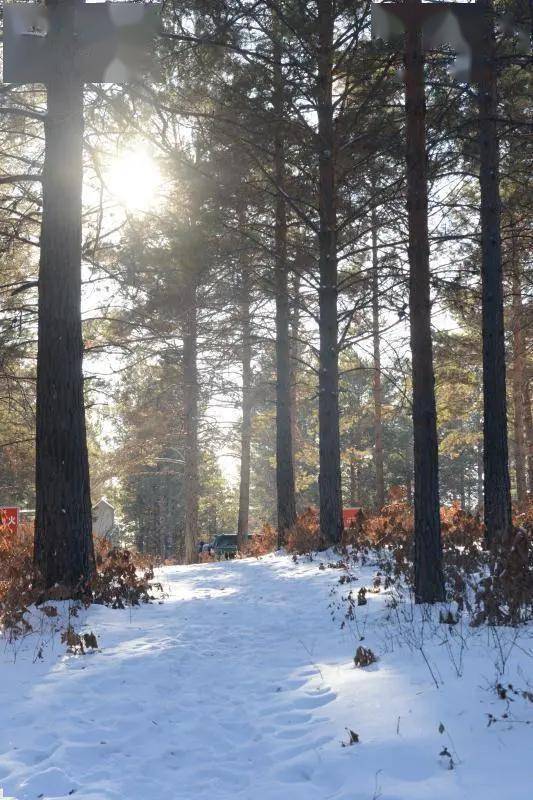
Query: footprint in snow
{"type": "Point", "coordinates": [51, 782]}
{"type": "Point", "coordinates": [291, 733]}
{"type": "Point", "coordinates": [315, 701]}
{"type": "Point", "coordinates": [305, 747]}
{"type": "Point", "coordinates": [291, 718]}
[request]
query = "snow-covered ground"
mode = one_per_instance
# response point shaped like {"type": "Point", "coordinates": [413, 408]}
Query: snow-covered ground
{"type": "Point", "coordinates": [241, 685]}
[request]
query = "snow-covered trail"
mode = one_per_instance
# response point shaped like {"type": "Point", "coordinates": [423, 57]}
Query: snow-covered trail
{"type": "Point", "coordinates": [241, 686]}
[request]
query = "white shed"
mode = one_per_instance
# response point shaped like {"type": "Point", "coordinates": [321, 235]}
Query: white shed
{"type": "Point", "coordinates": [103, 518]}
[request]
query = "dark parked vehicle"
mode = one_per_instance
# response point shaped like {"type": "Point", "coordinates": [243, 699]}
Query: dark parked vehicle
{"type": "Point", "coordinates": [224, 545]}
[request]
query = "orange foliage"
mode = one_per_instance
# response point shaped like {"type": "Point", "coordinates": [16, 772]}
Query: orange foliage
{"type": "Point", "coordinates": [17, 590]}
{"type": "Point", "coordinates": [304, 536]}
{"type": "Point", "coordinates": [122, 578]}
{"type": "Point", "coordinates": [266, 541]}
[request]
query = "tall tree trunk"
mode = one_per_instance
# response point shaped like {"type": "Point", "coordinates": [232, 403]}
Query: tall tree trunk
{"type": "Point", "coordinates": [528, 420]}
{"type": "Point", "coordinates": [190, 419]}
{"type": "Point", "coordinates": [160, 521]}
{"type": "Point", "coordinates": [429, 581]}
{"type": "Point", "coordinates": [376, 383]}
{"type": "Point", "coordinates": [246, 424]}
{"type": "Point", "coordinates": [409, 489]}
{"type": "Point", "coordinates": [330, 488]}
{"type": "Point", "coordinates": [480, 478]}
{"type": "Point", "coordinates": [63, 551]}
{"type": "Point", "coordinates": [295, 361]}
{"type": "Point", "coordinates": [497, 488]}
{"type": "Point", "coordinates": [409, 473]}
{"type": "Point", "coordinates": [284, 464]}
{"type": "Point", "coordinates": [518, 376]}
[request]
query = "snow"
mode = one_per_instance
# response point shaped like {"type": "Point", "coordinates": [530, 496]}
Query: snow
{"type": "Point", "coordinates": [241, 685]}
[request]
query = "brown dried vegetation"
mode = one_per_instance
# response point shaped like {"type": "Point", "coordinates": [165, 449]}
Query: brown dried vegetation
{"type": "Point", "coordinates": [122, 578]}
{"type": "Point", "coordinates": [494, 588]}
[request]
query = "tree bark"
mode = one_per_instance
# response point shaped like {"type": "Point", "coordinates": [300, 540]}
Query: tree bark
{"type": "Point", "coordinates": [480, 479]}
{"type": "Point", "coordinates": [63, 550]}
{"type": "Point", "coordinates": [528, 420]}
{"type": "Point", "coordinates": [160, 516]}
{"type": "Point", "coordinates": [286, 510]}
{"type": "Point", "coordinates": [409, 473]}
{"type": "Point", "coordinates": [246, 424]}
{"type": "Point", "coordinates": [429, 580]}
{"type": "Point", "coordinates": [295, 362]}
{"type": "Point", "coordinates": [376, 383]}
{"type": "Point", "coordinates": [330, 489]}
{"type": "Point", "coordinates": [497, 488]}
{"type": "Point", "coordinates": [190, 419]}
{"type": "Point", "coordinates": [518, 377]}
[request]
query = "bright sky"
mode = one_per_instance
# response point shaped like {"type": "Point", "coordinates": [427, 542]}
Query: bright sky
{"type": "Point", "coordinates": [133, 179]}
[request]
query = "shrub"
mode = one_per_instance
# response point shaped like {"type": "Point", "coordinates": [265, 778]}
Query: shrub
{"type": "Point", "coordinates": [266, 541]}
{"type": "Point", "coordinates": [352, 533]}
{"type": "Point", "coordinates": [496, 588]}
{"type": "Point", "coordinates": [304, 536]}
{"type": "Point", "coordinates": [504, 595]}
{"type": "Point", "coordinates": [17, 591]}
{"type": "Point", "coordinates": [122, 578]}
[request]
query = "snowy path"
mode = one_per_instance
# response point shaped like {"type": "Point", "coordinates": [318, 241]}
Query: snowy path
{"type": "Point", "coordinates": [241, 686]}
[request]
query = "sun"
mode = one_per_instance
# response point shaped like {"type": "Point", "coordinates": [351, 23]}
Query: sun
{"type": "Point", "coordinates": [134, 180]}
